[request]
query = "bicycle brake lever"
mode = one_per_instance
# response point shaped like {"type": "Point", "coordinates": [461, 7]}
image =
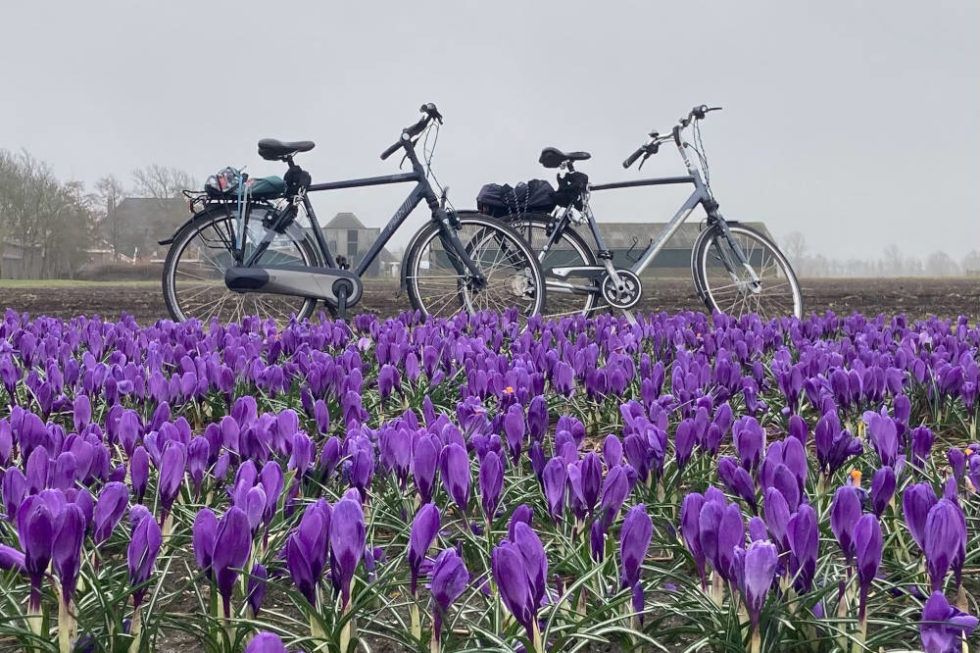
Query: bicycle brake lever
{"type": "Point", "coordinates": [643, 160]}
{"type": "Point", "coordinates": [402, 162]}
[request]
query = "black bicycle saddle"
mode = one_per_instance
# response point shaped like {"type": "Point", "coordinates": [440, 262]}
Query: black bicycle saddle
{"type": "Point", "coordinates": [272, 149]}
{"type": "Point", "coordinates": [552, 157]}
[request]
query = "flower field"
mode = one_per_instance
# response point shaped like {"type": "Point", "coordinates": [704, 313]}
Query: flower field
{"type": "Point", "coordinates": [688, 483]}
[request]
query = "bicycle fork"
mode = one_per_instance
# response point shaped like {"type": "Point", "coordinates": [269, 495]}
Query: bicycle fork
{"type": "Point", "coordinates": [753, 285]}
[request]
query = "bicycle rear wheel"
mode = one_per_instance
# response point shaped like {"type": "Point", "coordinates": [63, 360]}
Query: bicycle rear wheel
{"type": "Point", "coordinates": [726, 286]}
{"type": "Point", "coordinates": [194, 272]}
{"type": "Point", "coordinates": [513, 276]}
{"type": "Point", "coordinates": [569, 250]}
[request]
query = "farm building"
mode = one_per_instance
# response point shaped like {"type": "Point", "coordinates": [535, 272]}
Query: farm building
{"type": "Point", "coordinates": [347, 236]}
{"type": "Point", "coordinates": [627, 240]}
{"type": "Point", "coordinates": [19, 260]}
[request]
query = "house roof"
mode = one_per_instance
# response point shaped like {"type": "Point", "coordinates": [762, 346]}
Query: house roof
{"type": "Point", "coordinates": [344, 220]}
{"type": "Point", "coordinates": [623, 235]}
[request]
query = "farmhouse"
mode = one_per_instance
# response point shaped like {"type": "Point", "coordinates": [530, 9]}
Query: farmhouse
{"type": "Point", "coordinates": [348, 237]}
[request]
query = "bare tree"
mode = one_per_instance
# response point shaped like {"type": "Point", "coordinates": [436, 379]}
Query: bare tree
{"type": "Point", "coordinates": [161, 182]}
{"type": "Point", "coordinates": [108, 194]}
{"type": "Point", "coordinates": [940, 264]}
{"type": "Point", "coordinates": [794, 246]}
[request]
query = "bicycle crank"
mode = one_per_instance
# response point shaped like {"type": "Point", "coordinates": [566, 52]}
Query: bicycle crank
{"type": "Point", "coordinates": [624, 295]}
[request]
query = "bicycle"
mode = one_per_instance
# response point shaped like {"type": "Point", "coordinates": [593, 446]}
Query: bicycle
{"type": "Point", "coordinates": [246, 253]}
{"type": "Point", "coordinates": [735, 268]}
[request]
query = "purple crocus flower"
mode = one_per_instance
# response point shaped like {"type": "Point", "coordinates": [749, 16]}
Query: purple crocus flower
{"type": "Point", "coordinates": [615, 488]}
{"type": "Point", "coordinates": [265, 642]}
{"type": "Point", "coordinates": [514, 430]}
{"type": "Point", "coordinates": [423, 533]}
{"type": "Point", "coordinates": [737, 480]}
{"type": "Point", "coordinates": [142, 554]}
{"type": "Point", "coordinates": [777, 517]}
{"type": "Point", "coordinates": [755, 569]}
{"type": "Point", "coordinates": [917, 501]}
{"type": "Point", "coordinates": [510, 575]}
{"type": "Point", "coordinates": [943, 627]}
{"type": "Point", "coordinates": [867, 554]}
{"type": "Point", "coordinates": [198, 454]}
{"type": "Point", "coordinates": [535, 561]}
{"type": "Point", "coordinates": [11, 559]}
{"type": "Point", "coordinates": [883, 433]}
{"type": "Point", "coordinates": [845, 511]}
{"type": "Point", "coordinates": [203, 535]}
{"type": "Point", "coordinates": [690, 530]}
{"type": "Point", "coordinates": [347, 536]}
{"type": "Point", "coordinates": [612, 450]}
{"type": "Point", "coordinates": [922, 439]}
{"type": "Point", "coordinates": [449, 579]}
{"type": "Point", "coordinates": [36, 529]}
{"type": "Point", "coordinates": [750, 440]}
{"type": "Point", "coordinates": [731, 534]}
{"type": "Point", "coordinates": [455, 469]}
{"type": "Point", "coordinates": [108, 511]}
{"type": "Point", "coordinates": [66, 549]}
{"type": "Point", "coordinates": [139, 472]}
{"type": "Point", "coordinates": [945, 541]}
{"type": "Point", "coordinates": [306, 550]}
{"type": "Point", "coordinates": [634, 540]}
{"type": "Point", "coordinates": [684, 438]}
{"type": "Point", "coordinates": [424, 464]}
{"type": "Point", "coordinates": [554, 479]}
{"type": "Point", "coordinates": [491, 483]}
{"type": "Point", "coordinates": [882, 489]}
{"type": "Point", "coordinates": [257, 585]}
{"type": "Point", "coordinates": [803, 535]}
{"type": "Point", "coordinates": [172, 465]}
{"type": "Point", "coordinates": [232, 547]}
{"type": "Point", "coordinates": [13, 489]}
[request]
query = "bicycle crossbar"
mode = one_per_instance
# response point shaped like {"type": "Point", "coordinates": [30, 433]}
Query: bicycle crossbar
{"type": "Point", "coordinates": [660, 181]}
{"type": "Point", "coordinates": [366, 181]}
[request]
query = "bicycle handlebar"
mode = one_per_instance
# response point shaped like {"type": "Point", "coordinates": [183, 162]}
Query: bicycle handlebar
{"type": "Point", "coordinates": [430, 113]}
{"type": "Point", "coordinates": [651, 146]}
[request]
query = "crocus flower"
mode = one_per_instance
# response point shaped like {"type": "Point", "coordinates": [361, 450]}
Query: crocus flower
{"type": "Point", "coordinates": [455, 469]}
{"type": "Point", "coordinates": [554, 480]}
{"type": "Point", "coordinates": [777, 517]}
{"type": "Point", "coordinates": [690, 530]}
{"type": "Point", "coordinates": [510, 575]}
{"type": "Point", "coordinates": [845, 511]}
{"type": "Point", "coordinates": [347, 536]}
{"type": "Point", "coordinates": [514, 430]}
{"type": "Point", "coordinates": [66, 549]}
{"type": "Point", "coordinates": [108, 511]}
{"type": "Point", "coordinates": [755, 569]}
{"type": "Point", "coordinates": [423, 533]}
{"type": "Point", "coordinates": [750, 440]}
{"type": "Point", "coordinates": [449, 579]}
{"type": "Point", "coordinates": [535, 561]}
{"type": "Point", "coordinates": [11, 559]}
{"type": "Point", "coordinates": [803, 536]}
{"type": "Point", "coordinates": [945, 541]}
{"type": "Point", "coordinates": [36, 529]}
{"type": "Point", "coordinates": [943, 627]}
{"type": "Point", "coordinates": [203, 534]}
{"type": "Point", "coordinates": [232, 547]}
{"type": "Point", "coordinates": [491, 483]}
{"type": "Point", "coordinates": [634, 540]}
{"type": "Point", "coordinates": [257, 584]}
{"type": "Point", "coordinates": [917, 501]}
{"type": "Point", "coordinates": [424, 464]}
{"type": "Point", "coordinates": [172, 466]}
{"type": "Point", "coordinates": [882, 489]}
{"type": "Point", "coordinates": [306, 550]}
{"type": "Point", "coordinates": [883, 434]}
{"type": "Point", "coordinates": [737, 480]}
{"type": "Point", "coordinates": [142, 554]}
{"type": "Point", "coordinates": [139, 472]}
{"type": "Point", "coordinates": [265, 642]}
{"type": "Point", "coordinates": [867, 555]}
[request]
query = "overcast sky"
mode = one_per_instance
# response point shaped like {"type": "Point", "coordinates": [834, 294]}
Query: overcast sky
{"type": "Point", "coordinates": [855, 123]}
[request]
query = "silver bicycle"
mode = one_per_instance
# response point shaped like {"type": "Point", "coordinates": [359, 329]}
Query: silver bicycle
{"type": "Point", "coordinates": [736, 269]}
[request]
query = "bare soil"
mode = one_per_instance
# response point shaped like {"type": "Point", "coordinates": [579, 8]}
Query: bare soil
{"type": "Point", "coordinates": [144, 300]}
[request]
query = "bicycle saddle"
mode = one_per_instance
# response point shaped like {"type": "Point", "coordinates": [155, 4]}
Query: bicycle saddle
{"type": "Point", "coordinates": [272, 149]}
{"type": "Point", "coordinates": [552, 157]}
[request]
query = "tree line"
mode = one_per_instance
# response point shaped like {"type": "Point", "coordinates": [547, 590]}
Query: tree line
{"type": "Point", "coordinates": [58, 223]}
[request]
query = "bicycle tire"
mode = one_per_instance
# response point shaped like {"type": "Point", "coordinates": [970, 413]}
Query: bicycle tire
{"type": "Point", "coordinates": [201, 221]}
{"type": "Point", "coordinates": [425, 250]}
{"type": "Point", "coordinates": [709, 241]}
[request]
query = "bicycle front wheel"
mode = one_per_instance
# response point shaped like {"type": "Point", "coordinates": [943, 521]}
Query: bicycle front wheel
{"type": "Point", "coordinates": [439, 285]}
{"type": "Point", "coordinates": [194, 272]}
{"type": "Point", "coordinates": [767, 286]}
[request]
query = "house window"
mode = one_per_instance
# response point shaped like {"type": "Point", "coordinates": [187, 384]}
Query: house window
{"type": "Point", "coordinates": [352, 242]}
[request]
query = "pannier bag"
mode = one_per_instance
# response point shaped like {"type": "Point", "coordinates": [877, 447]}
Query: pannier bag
{"type": "Point", "coordinates": [536, 195]}
{"type": "Point", "coordinates": [226, 184]}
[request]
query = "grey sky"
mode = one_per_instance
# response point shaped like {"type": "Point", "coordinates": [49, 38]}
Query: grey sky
{"type": "Point", "coordinates": [855, 123]}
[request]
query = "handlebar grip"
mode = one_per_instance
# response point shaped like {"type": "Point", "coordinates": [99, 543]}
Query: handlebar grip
{"type": "Point", "coordinates": [417, 128]}
{"type": "Point", "coordinates": [631, 159]}
{"type": "Point", "coordinates": [391, 150]}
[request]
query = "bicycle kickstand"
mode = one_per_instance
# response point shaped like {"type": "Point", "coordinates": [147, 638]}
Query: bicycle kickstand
{"type": "Point", "coordinates": [342, 304]}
